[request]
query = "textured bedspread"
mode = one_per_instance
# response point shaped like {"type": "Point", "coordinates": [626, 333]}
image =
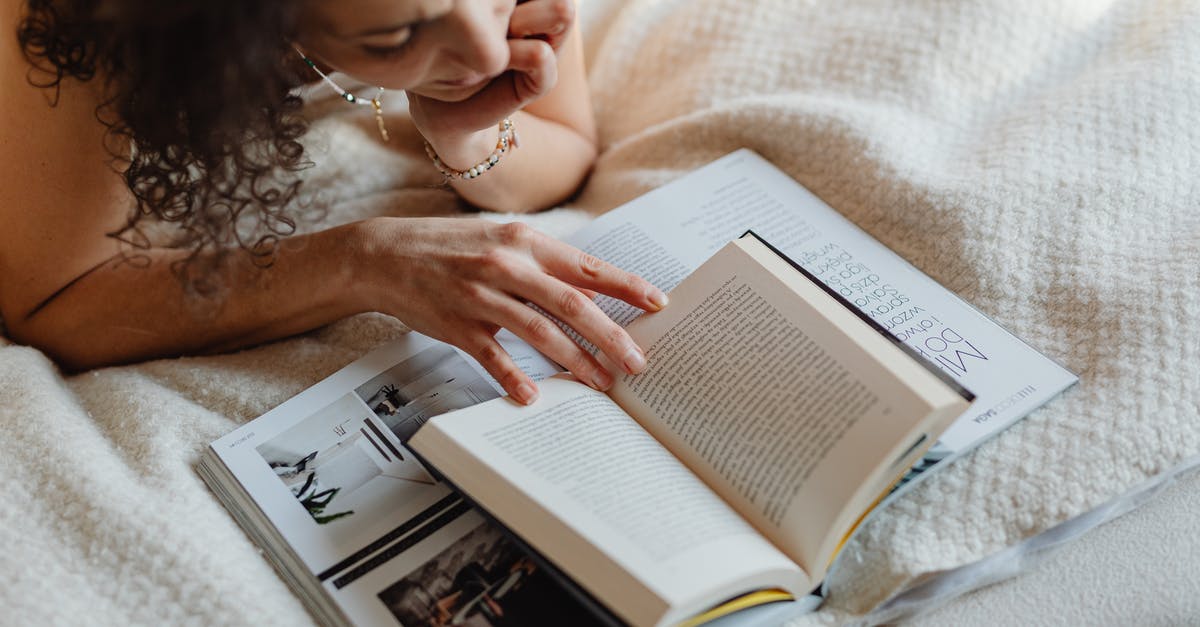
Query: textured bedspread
{"type": "Point", "coordinates": [1039, 158]}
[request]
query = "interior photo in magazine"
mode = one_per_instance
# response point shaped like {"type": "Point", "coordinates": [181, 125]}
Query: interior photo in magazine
{"type": "Point", "coordinates": [482, 580]}
{"type": "Point", "coordinates": [326, 459]}
{"type": "Point", "coordinates": [329, 460]}
{"type": "Point", "coordinates": [434, 381]}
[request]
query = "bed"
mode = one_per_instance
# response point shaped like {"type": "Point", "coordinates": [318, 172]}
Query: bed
{"type": "Point", "coordinates": [1038, 158]}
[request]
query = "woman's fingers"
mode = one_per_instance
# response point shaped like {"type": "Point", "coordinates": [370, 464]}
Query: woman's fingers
{"type": "Point", "coordinates": [590, 272]}
{"type": "Point", "coordinates": [548, 20]}
{"type": "Point", "coordinates": [483, 346]}
{"type": "Point", "coordinates": [478, 277]}
{"type": "Point", "coordinates": [530, 266]}
{"type": "Point", "coordinates": [554, 280]}
{"type": "Point", "coordinates": [566, 303]}
{"type": "Point", "coordinates": [547, 337]}
{"type": "Point", "coordinates": [533, 68]}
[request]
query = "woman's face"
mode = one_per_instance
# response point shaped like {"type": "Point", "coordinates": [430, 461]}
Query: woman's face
{"type": "Point", "coordinates": [444, 49]}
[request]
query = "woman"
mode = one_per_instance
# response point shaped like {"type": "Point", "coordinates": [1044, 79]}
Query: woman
{"type": "Point", "coordinates": [119, 111]}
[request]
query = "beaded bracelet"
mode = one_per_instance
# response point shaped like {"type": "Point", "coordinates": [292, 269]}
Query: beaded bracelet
{"type": "Point", "coordinates": [507, 141]}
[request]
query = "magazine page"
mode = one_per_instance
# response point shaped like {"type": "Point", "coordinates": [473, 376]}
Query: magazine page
{"type": "Point", "coordinates": [388, 541]}
{"type": "Point", "coordinates": [707, 208]}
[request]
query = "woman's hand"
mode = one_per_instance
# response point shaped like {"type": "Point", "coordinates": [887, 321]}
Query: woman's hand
{"type": "Point", "coordinates": [461, 280]}
{"type": "Point", "coordinates": [459, 130]}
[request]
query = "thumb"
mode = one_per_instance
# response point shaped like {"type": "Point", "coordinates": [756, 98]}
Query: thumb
{"type": "Point", "coordinates": [532, 72]}
{"type": "Point", "coordinates": [534, 68]}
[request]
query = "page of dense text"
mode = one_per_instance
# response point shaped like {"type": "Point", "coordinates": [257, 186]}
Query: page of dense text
{"type": "Point", "coordinates": [776, 399]}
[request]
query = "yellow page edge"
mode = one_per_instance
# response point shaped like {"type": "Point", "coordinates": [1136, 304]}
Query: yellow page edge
{"type": "Point", "coordinates": [737, 604]}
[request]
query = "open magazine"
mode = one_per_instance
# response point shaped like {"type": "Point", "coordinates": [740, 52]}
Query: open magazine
{"type": "Point", "coordinates": [367, 534]}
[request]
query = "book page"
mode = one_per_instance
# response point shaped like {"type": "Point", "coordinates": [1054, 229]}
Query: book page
{"type": "Point", "coordinates": [784, 402]}
{"type": "Point", "coordinates": [670, 231]}
{"type": "Point", "coordinates": [598, 496]}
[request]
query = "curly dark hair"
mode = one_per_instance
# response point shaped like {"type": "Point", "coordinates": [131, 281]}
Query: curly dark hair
{"type": "Point", "coordinates": [200, 100]}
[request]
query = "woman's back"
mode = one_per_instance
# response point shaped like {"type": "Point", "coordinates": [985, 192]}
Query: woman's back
{"type": "Point", "coordinates": [60, 195]}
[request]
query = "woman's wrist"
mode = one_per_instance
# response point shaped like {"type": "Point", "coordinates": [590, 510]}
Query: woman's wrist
{"type": "Point", "coordinates": [374, 243]}
{"type": "Point", "coordinates": [462, 152]}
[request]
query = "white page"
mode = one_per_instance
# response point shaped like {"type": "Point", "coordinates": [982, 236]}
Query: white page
{"type": "Point", "coordinates": [668, 232]}
{"type": "Point", "coordinates": [757, 383]}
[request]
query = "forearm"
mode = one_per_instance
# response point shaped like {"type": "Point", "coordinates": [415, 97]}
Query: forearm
{"type": "Point", "coordinates": [549, 166]}
{"type": "Point", "coordinates": [121, 312]}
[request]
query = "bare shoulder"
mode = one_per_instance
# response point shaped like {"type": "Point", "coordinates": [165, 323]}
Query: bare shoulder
{"type": "Point", "coordinates": [58, 191]}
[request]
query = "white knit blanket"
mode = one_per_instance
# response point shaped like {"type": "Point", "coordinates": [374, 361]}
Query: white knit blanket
{"type": "Point", "coordinates": [1037, 157]}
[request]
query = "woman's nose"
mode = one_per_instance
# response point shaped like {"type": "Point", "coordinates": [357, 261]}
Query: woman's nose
{"type": "Point", "coordinates": [482, 43]}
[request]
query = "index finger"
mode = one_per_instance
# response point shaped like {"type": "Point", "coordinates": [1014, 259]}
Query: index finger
{"type": "Point", "coordinates": [587, 271]}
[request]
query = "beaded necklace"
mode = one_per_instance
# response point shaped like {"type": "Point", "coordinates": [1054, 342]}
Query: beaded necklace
{"type": "Point", "coordinates": [376, 103]}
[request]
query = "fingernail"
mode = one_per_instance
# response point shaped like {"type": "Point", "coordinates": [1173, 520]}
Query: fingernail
{"type": "Point", "coordinates": [558, 29]}
{"type": "Point", "coordinates": [602, 380]}
{"type": "Point", "coordinates": [658, 299]}
{"type": "Point", "coordinates": [634, 361]}
{"type": "Point", "coordinates": [526, 394]}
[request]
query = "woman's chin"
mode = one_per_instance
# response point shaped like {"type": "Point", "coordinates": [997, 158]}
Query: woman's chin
{"type": "Point", "coordinates": [450, 92]}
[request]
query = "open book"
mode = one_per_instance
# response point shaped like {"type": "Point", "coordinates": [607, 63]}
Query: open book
{"type": "Point", "coordinates": [768, 421]}
{"type": "Point", "coordinates": [368, 535]}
